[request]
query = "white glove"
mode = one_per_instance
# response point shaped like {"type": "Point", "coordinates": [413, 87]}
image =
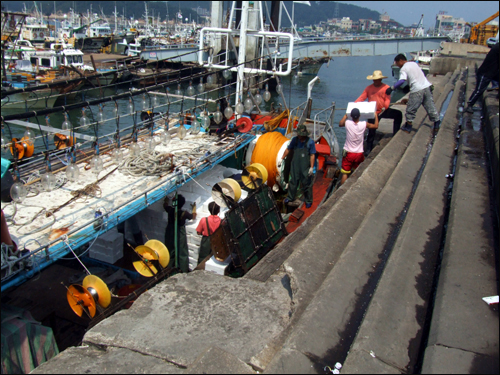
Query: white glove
{"type": "Point", "coordinates": [311, 171]}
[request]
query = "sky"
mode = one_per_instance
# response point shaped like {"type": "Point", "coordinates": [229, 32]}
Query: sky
{"type": "Point", "coordinates": [408, 12]}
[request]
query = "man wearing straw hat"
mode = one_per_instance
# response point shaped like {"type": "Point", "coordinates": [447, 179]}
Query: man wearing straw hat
{"type": "Point", "coordinates": [376, 93]}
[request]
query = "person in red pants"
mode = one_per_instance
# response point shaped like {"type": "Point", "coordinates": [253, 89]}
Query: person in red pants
{"type": "Point", "coordinates": [353, 147]}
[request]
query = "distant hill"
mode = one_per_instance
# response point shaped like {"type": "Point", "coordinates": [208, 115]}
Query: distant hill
{"type": "Point", "coordinates": [304, 15]}
{"type": "Point", "coordinates": [323, 10]}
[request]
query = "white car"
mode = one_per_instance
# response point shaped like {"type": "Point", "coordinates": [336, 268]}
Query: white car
{"type": "Point", "coordinates": [492, 41]}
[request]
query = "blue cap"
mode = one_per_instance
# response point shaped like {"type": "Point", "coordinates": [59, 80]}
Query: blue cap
{"type": "Point", "coordinates": [355, 113]}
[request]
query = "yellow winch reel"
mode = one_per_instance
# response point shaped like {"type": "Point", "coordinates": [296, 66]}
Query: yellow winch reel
{"type": "Point", "coordinates": [150, 252]}
{"type": "Point", "coordinates": [254, 175]}
{"type": "Point", "coordinates": [227, 189]}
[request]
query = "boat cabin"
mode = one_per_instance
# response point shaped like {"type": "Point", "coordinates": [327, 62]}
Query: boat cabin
{"type": "Point", "coordinates": [58, 54]}
{"type": "Point", "coordinates": [35, 32]}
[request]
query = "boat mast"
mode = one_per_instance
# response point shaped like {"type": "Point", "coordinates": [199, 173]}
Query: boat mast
{"type": "Point", "coordinates": [115, 19]}
{"type": "Point", "coordinates": [242, 51]}
{"type": "Point", "coordinates": [146, 17]}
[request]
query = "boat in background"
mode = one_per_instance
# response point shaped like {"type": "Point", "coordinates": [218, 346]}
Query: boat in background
{"type": "Point", "coordinates": [35, 29]}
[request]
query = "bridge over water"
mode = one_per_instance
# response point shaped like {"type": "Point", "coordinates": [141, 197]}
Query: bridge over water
{"type": "Point", "coordinates": [315, 48]}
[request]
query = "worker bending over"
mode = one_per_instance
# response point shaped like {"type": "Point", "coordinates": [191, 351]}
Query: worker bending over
{"type": "Point", "coordinates": [420, 92]}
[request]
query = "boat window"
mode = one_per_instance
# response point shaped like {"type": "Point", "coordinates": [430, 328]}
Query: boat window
{"type": "Point", "coordinates": [33, 60]}
{"type": "Point", "coordinates": [78, 59]}
{"type": "Point", "coordinates": [69, 59]}
{"type": "Point", "coordinates": [24, 64]}
{"type": "Point", "coordinates": [46, 62]}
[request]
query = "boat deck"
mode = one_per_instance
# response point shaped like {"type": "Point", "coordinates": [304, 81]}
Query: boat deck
{"type": "Point", "coordinates": [119, 193]}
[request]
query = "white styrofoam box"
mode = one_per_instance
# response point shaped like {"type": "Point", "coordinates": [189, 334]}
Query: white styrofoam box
{"type": "Point", "coordinates": [193, 253]}
{"type": "Point", "coordinates": [190, 199]}
{"type": "Point", "coordinates": [108, 247]}
{"type": "Point", "coordinates": [194, 239]}
{"type": "Point", "coordinates": [157, 206]}
{"type": "Point", "coordinates": [187, 187]}
{"type": "Point", "coordinates": [192, 224]}
{"type": "Point", "coordinates": [213, 265]}
{"type": "Point", "coordinates": [366, 109]}
{"type": "Point", "coordinates": [194, 248]}
{"type": "Point", "coordinates": [110, 239]}
{"type": "Point", "coordinates": [192, 265]}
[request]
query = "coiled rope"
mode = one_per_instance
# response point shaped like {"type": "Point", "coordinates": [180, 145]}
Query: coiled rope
{"type": "Point", "coordinates": [266, 151]}
{"type": "Point", "coordinates": [147, 164]}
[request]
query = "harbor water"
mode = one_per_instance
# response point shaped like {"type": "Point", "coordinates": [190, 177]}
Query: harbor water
{"type": "Point", "coordinates": [341, 81]}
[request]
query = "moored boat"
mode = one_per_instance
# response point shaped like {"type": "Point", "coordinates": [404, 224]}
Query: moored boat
{"type": "Point", "coordinates": [125, 174]}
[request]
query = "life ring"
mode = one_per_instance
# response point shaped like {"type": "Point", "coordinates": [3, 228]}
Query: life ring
{"type": "Point", "coordinates": [41, 35]}
{"type": "Point", "coordinates": [61, 141]}
{"type": "Point", "coordinates": [65, 36]}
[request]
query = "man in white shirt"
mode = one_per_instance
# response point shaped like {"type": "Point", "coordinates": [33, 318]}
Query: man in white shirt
{"type": "Point", "coordinates": [353, 147]}
{"type": "Point", "coordinates": [420, 92]}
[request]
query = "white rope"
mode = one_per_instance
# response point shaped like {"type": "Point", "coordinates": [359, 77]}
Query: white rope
{"type": "Point", "coordinates": [186, 172]}
{"type": "Point", "coordinates": [66, 241]}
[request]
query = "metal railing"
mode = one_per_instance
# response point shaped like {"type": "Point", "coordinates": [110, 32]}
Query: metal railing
{"type": "Point", "coordinates": [326, 118]}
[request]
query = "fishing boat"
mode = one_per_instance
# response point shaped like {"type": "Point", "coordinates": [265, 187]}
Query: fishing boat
{"type": "Point", "coordinates": [71, 201]}
{"type": "Point", "coordinates": [39, 66]}
{"type": "Point", "coordinates": [116, 189]}
{"type": "Point", "coordinates": [35, 28]}
{"type": "Point", "coordinates": [424, 57]}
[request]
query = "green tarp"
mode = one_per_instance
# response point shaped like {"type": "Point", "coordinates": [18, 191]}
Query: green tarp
{"type": "Point", "coordinates": [25, 342]}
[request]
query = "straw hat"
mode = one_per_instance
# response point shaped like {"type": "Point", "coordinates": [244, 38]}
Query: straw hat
{"type": "Point", "coordinates": [377, 74]}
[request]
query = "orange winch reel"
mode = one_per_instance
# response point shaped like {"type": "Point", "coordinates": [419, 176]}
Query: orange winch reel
{"type": "Point", "coordinates": [24, 147]}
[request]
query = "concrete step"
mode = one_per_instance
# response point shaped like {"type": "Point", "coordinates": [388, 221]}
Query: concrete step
{"type": "Point", "coordinates": [390, 335]}
{"type": "Point", "coordinates": [464, 330]}
{"type": "Point", "coordinates": [332, 315]}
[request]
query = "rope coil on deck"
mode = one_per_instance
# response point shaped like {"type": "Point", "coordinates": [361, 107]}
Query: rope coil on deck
{"type": "Point", "coordinates": [147, 164]}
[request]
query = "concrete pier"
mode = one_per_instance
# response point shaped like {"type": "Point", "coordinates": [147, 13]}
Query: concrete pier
{"type": "Point", "coordinates": [387, 276]}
